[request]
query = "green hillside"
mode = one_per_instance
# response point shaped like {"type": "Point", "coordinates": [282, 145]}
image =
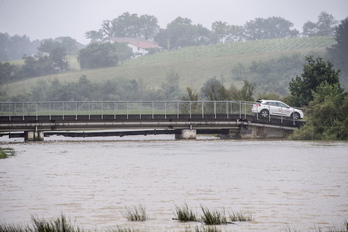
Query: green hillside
{"type": "Point", "coordinates": [195, 65]}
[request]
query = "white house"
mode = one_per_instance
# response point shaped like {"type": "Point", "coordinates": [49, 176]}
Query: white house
{"type": "Point", "coordinates": [139, 46]}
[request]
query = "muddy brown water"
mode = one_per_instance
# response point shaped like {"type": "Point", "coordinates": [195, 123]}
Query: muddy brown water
{"type": "Point", "coordinates": [283, 184]}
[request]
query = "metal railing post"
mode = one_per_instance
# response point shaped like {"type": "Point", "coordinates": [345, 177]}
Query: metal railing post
{"type": "Point", "coordinates": [202, 109]}
{"type": "Point", "coordinates": [190, 110]}
{"type": "Point", "coordinates": [215, 109]}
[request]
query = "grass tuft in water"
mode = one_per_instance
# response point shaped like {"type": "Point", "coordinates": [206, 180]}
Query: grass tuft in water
{"type": "Point", "coordinates": [240, 217]}
{"type": "Point", "coordinates": [213, 217]}
{"type": "Point", "coordinates": [6, 152]}
{"type": "Point", "coordinates": [136, 213]}
{"type": "Point", "coordinates": [119, 229]}
{"type": "Point", "coordinates": [58, 225]}
{"type": "Point", "coordinates": [184, 214]}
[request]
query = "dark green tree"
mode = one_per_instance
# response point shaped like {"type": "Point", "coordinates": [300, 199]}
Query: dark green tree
{"type": "Point", "coordinates": [243, 94]}
{"type": "Point", "coordinates": [327, 117]}
{"type": "Point", "coordinates": [325, 26]}
{"type": "Point", "coordinates": [170, 86]}
{"type": "Point", "coordinates": [270, 28]}
{"type": "Point", "coordinates": [182, 33]}
{"type": "Point", "coordinates": [98, 55]}
{"type": "Point", "coordinates": [8, 72]}
{"type": "Point", "coordinates": [126, 25]}
{"type": "Point", "coordinates": [58, 57]}
{"type": "Point", "coordinates": [48, 45]}
{"type": "Point", "coordinates": [214, 90]}
{"type": "Point", "coordinates": [315, 72]}
{"type": "Point", "coordinates": [338, 53]}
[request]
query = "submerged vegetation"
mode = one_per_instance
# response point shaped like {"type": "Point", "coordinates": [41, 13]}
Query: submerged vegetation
{"type": "Point", "coordinates": [135, 213]}
{"type": "Point", "coordinates": [6, 152]}
{"type": "Point", "coordinates": [62, 224]}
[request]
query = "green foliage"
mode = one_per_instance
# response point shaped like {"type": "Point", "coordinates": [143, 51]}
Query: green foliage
{"type": "Point", "coordinates": [270, 28]}
{"type": "Point", "coordinates": [136, 213]}
{"type": "Point", "coordinates": [126, 25]}
{"type": "Point", "coordinates": [244, 94]}
{"type": "Point", "coordinates": [213, 217]}
{"type": "Point", "coordinates": [184, 214]}
{"type": "Point", "coordinates": [325, 26]}
{"type": "Point", "coordinates": [214, 90]}
{"type": "Point", "coordinates": [6, 152]}
{"type": "Point", "coordinates": [97, 55]}
{"type": "Point", "coordinates": [315, 72]}
{"type": "Point", "coordinates": [8, 72]}
{"type": "Point", "coordinates": [240, 217]}
{"type": "Point", "coordinates": [327, 115]}
{"type": "Point", "coordinates": [15, 47]}
{"type": "Point", "coordinates": [338, 52]}
{"type": "Point", "coordinates": [192, 95]}
{"type": "Point", "coordinates": [170, 86]}
{"type": "Point", "coordinates": [275, 74]}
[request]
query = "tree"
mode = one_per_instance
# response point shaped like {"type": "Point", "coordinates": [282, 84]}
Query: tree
{"type": "Point", "coordinates": [244, 94]}
{"type": "Point", "coordinates": [182, 33]}
{"type": "Point", "coordinates": [98, 55]}
{"type": "Point", "coordinates": [315, 72]}
{"type": "Point", "coordinates": [214, 90]}
{"type": "Point", "coordinates": [170, 86]}
{"type": "Point", "coordinates": [48, 45]}
{"type": "Point", "coordinates": [58, 57]}
{"type": "Point", "coordinates": [338, 53]}
{"type": "Point", "coordinates": [15, 47]}
{"type": "Point", "coordinates": [325, 26]}
{"type": "Point", "coordinates": [221, 32]}
{"type": "Point", "coordinates": [8, 72]}
{"type": "Point", "coordinates": [126, 25]}
{"type": "Point", "coordinates": [327, 119]}
{"type": "Point", "coordinates": [270, 28]}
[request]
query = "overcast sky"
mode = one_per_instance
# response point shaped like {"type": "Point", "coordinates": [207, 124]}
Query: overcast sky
{"type": "Point", "coordinates": [43, 19]}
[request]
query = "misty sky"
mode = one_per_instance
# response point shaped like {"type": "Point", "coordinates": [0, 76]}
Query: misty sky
{"type": "Point", "coordinates": [43, 19]}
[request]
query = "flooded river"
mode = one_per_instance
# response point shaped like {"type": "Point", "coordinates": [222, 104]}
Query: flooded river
{"type": "Point", "coordinates": [284, 185]}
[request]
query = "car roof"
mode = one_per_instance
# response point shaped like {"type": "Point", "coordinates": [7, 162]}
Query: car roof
{"type": "Point", "coordinates": [262, 100]}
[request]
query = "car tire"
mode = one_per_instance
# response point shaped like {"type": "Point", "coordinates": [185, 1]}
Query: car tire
{"type": "Point", "coordinates": [295, 116]}
{"type": "Point", "coordinates": [264, 113]}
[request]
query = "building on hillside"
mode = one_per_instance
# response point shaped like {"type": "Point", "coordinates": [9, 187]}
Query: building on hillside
{"type": "Point", "coordinates": [139, 46]}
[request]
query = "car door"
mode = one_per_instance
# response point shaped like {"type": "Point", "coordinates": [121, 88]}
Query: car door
{"type": "Point", "coordinates": [273, 108]}
{"type": "Point", "coordinates": [283, 109]}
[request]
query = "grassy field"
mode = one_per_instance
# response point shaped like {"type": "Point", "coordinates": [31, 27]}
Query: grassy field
{"type": "Point", "coordinates": [195, 65]}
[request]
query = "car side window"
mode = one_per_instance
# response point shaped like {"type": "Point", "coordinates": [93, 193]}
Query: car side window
{"type": "Point", "coordinates": [282, 105]}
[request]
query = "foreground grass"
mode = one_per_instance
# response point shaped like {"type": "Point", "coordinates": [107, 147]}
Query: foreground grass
{"type": "Point", "coordinates": [6, 152]}
{"type": "Point", "coordinates": [135, 213]}
{"type": "Point", "coordinates": [62, 224]}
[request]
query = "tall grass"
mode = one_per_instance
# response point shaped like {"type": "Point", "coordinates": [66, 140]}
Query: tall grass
{"type": "Point", "coordinates": [61, 224]}
{"type": "Point", "coordinates": [240, 217]}
{"type": "Point", "coordinates": [135, 213]}
{"type": "Point", "coordinates": [184, 214]}
{"type": "Point", "coordinates": [213, 217]}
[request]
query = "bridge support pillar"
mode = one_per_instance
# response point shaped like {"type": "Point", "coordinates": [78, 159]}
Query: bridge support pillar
{"type": "Point", "coordinates": [33, 136]}
{"type": "Point", "coordinates": [187, 134]}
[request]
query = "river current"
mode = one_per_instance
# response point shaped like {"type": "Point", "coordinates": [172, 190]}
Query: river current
{"type": "Point", "coordinates": [284, 185]}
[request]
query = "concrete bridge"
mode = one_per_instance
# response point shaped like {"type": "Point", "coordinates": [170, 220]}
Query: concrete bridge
{"type": "Point", "coordinates": [184, 119]}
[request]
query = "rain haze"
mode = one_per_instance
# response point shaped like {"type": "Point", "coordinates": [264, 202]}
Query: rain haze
{"type": "Point", "coordinates": [43, 19]}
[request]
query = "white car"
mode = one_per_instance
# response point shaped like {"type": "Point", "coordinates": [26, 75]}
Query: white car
{"type": "Point", "coordinates": [271, 107]}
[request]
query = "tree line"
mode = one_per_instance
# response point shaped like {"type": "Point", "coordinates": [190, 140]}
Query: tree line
{"type": "Point", "coordinates": [181, 32]}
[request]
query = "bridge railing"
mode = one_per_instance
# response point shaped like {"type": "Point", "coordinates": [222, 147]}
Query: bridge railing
{"type": "Point", "coordinates": [51, 108]}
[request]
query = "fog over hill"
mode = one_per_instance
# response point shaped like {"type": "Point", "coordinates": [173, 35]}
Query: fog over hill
{"type": "Point", "coordinates": [50, 19]}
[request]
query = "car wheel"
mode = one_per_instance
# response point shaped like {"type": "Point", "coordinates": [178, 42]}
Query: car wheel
{"type": "Point", "coordinates": [264, 113]}
{"type": "Point", "coordinates": [295, 116]}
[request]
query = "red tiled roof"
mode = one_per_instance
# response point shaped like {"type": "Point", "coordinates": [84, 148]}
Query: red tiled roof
{"type": "Point", "coordinates": [141, 43]}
